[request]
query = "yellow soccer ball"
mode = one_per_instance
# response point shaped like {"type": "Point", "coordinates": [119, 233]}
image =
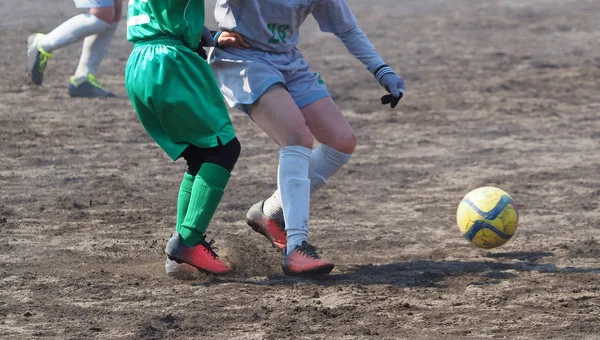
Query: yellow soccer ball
{"type": "Point", "coordinates": [487, 217]}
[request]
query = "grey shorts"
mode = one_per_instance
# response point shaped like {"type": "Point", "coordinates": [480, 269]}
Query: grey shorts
{"type": "Point", "coordinates": [244, 75]}
{"type": "Point", "coordinates": [94, 3]}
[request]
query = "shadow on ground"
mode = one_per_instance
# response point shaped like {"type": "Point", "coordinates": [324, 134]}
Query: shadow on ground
{"type": "Point", "coordinates": [424, 273]}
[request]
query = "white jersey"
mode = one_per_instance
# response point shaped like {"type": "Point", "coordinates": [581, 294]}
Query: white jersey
{"type": "Point", "coordinates": [273, 25]}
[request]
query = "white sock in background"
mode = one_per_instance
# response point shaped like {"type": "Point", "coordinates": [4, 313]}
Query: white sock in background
{"type": "Point", "coordinates": [94, 50]}
{"type": "Point", "coordinates": [294, 188]}
{"type": "Point", "coordinates": [325, 162]}
{"type": "Point", "coordinates": [72, 30]}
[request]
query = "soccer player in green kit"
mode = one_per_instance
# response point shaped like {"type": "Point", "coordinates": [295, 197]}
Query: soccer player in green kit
{"type": "Point", "coordinates": [179, 103]}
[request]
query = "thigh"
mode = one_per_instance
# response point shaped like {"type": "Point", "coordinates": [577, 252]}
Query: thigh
{"type": "Point", "coordinates": [94, 3]}
{"type": "Point", "coordinates": [184, 103]}
{"type": "Point", "coordinates": [118, 10]}
{"type": "Point", "coordinates": [243, 76]}
{"type": "Point", "coordinates": [140, 96]}
{"type": "Point", "coordinates": [276, 113]}
{"type": "Point", "coordinates": [329, 126]}
{"type": "Point", "coordinates": [189, 102]}
{"type": "Point", "coordinates": [304, 85]}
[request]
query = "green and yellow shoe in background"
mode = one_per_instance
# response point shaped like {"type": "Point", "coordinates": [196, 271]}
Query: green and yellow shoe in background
{"type": "Point", "coordinates": [88, 88]}
{"type": "Point", "coordinates": [38, 58]}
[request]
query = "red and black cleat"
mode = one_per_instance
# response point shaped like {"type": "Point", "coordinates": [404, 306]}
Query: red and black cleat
{"type": "Point", "coordinates": [304, 261]}
{"type": "Point", "coordinates": [201, 256]}
{"type": "Point", "coordinates": [272, 229]}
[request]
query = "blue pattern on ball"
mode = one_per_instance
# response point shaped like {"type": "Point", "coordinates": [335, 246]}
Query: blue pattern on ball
{"type": "Point", "coordinates": [492, 214]}
{"type": "Point", "coordinates": [479, 225]}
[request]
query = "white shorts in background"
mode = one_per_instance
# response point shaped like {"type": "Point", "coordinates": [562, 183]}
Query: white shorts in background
{"type": "Point", "coordinates": [94, 3]}
{"type": "Point", "coordinates": [244, 75]}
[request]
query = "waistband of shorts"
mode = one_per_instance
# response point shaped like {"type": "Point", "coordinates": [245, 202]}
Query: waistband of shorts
{"type": "Point", "coordinates": [160, 40]}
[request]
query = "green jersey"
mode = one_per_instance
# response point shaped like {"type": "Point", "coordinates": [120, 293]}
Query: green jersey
{"type": "Point", "coordinates": [181, 19]}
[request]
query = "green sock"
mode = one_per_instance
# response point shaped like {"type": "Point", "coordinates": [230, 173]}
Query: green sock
{"type": "Point", "coordinates": [183, 199]}
{"type": "Point", "coordinates": [207, 192]}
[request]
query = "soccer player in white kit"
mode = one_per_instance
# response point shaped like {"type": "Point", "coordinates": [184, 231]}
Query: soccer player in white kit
{"type": "Point", "coordinates": [272, 83]}
{"type": "Point", "coordinates": [96, 28]}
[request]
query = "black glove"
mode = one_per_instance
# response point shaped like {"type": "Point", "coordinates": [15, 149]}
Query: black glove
{"type": "Point", "coordinates": [392, 83]}
{"type": "Point", "coordinates": [390, 99]}
{"type": "Point", "coordinates": [206, 40]}
{"type": "Point", "coordinates": [202, 53]}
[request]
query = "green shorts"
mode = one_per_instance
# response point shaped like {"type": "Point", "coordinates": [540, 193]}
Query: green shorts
{"type": "Point", "coordinates": [176, 96]}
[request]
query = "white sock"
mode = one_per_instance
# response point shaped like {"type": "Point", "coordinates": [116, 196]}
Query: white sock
{"type": "Point", "coordinates": [325, 162]}
{"type": "Point", "coordinates": [294, 186]}
{"type": "Point", "coordinates": [74, 29]}
{"type": "Point", "coordinates": [94, 50]}
{"type": "Point", "coordinates": [272, 206]}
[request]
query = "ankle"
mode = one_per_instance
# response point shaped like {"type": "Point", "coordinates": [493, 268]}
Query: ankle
{"type": "Point", "coordinates": [272, 207]}
{"type": "Point", "coordinates": [294, 240]}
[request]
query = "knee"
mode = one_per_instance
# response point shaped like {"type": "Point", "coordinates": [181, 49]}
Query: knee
{"type": "Point", "coordinates": [194, 157]}
{"type": "Point", "coordinates": [226, 155]}
{"type": "Point", "coordinates": [300, 136]}
{"type": "Point", "coordinates": [349, 144]}
{"type": "Point", "coordinates": [232, 151]}
{"type": "Point", "coordinates": [106, 14]}
{"type": "Point", "coordinates": [344, 142]}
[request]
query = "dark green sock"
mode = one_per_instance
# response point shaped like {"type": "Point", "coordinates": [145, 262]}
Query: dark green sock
{"type": "Point", "coordinates": [183, 199]}
{"type": "Point", "coordinates": [207, 192]}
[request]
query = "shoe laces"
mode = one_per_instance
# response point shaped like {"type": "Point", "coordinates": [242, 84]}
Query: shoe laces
{"type": "Point", "coordinates": [92, 80]}
{"type": "Point", "coordinates": [210, 248]}
{"type": "Point", "coordinates": [308, 249]}
{"type": "Point", "coordinates": [280, 224]}
{"type": "Point", "coordinates": [44, 56]}
{"type": "Point", "coordinates": [43, 62]}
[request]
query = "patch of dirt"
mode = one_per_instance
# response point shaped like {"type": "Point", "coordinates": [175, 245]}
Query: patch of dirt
{"type": "Point", "coordinates": [499, 92]}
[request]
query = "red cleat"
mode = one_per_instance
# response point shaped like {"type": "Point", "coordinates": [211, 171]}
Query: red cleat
{"type": "Point", "coordinates": [272, 229]}
{"type": "Point", "coordinates": [304, 261]}
{"type": "Point", "coordinates": [200, 256]}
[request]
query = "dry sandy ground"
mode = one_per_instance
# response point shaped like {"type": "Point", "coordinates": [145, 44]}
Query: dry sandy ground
{"type": "Point", "coordinates": [500, 92]}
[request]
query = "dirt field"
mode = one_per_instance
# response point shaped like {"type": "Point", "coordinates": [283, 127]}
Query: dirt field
{"type": "Point", "coordinates": [499, 92]}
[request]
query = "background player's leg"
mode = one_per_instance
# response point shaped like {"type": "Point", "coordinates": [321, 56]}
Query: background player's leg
{"type": "Point", "coordinates": [40, 46]}
{"type": "Point", "coordinates": [76, 28]}
{"type": "Point", "coordinates": [93, 52]}
{"type": "Point", "coordinates": [84, 83]}
{"type": "Point", "coordinates": [95, 48]}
